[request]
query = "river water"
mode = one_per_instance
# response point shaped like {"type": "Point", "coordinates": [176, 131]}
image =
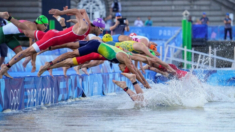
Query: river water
{"type": "Point", "coordinates": [177, 106]}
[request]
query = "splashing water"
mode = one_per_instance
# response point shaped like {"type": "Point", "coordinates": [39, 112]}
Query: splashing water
{"type": "Point", "coordinates": [187, 92]}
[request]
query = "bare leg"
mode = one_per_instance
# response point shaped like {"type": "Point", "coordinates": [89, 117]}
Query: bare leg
{"type": "Point", "coordinates": [29, 51]}
{"type": "Point", "coordinates": [33, 62]}
{"type": "Point", "coordinates": [92, 63]}
{"type": "Point", "coordinates": [147, 84]}
{"type": "Point", "coordinates": [132, 78]}
{"type": "Point", "coordinates": [141, 67]}
{"type": "Point", "coordinates": [50, 72]}
{"type": "Point", "coordinates": [129, 91]}
{"type": "Point", "coordinates": [59, 59]}
{"type": "Point", "coordinates": [165, 74]}
{"type": "Point", "coordinates": [122, 38]}
{"type": "Point", "coordinates": [2, 60]}
{"type": "Point", "coordinates": [65, 70]}
{"type": "Point", "coordinates": [26, 61]}
{"type": "Point", "coordinates": [27, 31]}
{"type": "Point", "coordinates": [77, 68]}
{"type": "Point", "coordinates": [65, 63]}
{"type": "Point", "coordinates": [126, 60]}
{"type": "Point", "coordinates": [144, 49]}
{"type": "Point", "coordinates": [33, 58]}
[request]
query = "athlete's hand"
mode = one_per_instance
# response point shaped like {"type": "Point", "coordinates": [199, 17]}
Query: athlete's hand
{"type": "Point", "coordinates": [4, 15]}
{"type": "Point", "coordinates": [142, 69]}
{"type": "Point", "coordinates": [55, 12]}
{"type": "Point", "coordinates": [60, 19]}
{"type": "Point", "coordinates": [157, 53]}
{"type": "Point", "coordinates": [149, 61]}
{"type": "Point", "coordinates": [66, 8]}
{"type": "Point", "coordinates": [165, 74]}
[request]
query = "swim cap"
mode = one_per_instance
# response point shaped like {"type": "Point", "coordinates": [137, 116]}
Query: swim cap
{"type": "Point", "coordinates": [99, 22]}
{"type": "Point", "coordinates": [132, 34]}
{"type": "Point", "coordinates": [107, 38]}
{"type": "Point", "coordinates": [42, 20]}
{"type": "Point", "coordinates": [153, 47]}
{"type": "Point", "coordinates": [152, 52]}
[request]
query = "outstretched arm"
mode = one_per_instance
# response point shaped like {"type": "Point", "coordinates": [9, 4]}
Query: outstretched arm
{"type": "Point", "coordinates": [71, 45]}
{"type": "Point", "coordinates": [130, 66]}
{"type": "Point", "coordinates": [20, 25]}
{"type": "Point", "coordinates": [81, 16]}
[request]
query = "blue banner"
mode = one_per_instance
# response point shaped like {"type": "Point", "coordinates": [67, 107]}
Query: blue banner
{"type": "Point", "coordinates": [217, 33]}
{"type": "Point", "coordinates": [26, 92]}
{"type": "Point", "coordinates": [199, 31]}
{"type": "Point", "coordinates": [154, 33]}
{"type": "Point", "coordinates": [165, 33]}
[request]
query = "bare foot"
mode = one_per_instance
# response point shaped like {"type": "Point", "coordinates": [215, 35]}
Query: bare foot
{"type": "Point", "coordinates": [121, 84]}
{"type": "Point", "coordinates": [3, 70]}
{"type": "Point", "coordinates": [7, 75]}
{"type": "Point", "coordinates": [147, 85]}
{"type": "Point", "coordinates": [33, 69]}
{"type": "Point", "coordinates": [77, 69]}
{"type": "Point", "coordinates": [132, 77]}
{"type": "Point", "coordinates": [43, 68]}
{"type": "Point", "coordinates": [4, 15]}
{"type": "Point", "coordinates": [85, 71]}
{"type": "Point", "coordinates": [65, 70]}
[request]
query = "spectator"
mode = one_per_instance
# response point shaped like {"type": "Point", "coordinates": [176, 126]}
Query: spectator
{"type": "Point", "coordinates": [227, 27]}
{"type": "Point", "coordinates": [204, 19]}
{"type": "Point", "coordinates": [148, 22]}
{"type": "Point", "coordinates": [120, 25]}
{"type": "Point", "coordinates": [115, 7]}
{"type": "Point", "coordinates": [3, 46]}
{"type": "Point", "coordinates": [138, 22]}
{"type": "Point", "coordinates": [190, 19]}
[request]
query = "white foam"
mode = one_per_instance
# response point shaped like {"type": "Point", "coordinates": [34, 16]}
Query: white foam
{"type": "Point", "coordinates": [188, 92]}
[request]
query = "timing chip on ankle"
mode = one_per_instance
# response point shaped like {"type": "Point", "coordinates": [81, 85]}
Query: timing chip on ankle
{"type": "Point", "coordinates": [134, 83]}
{"type": "Point", "coordinates": [125, 89]}
{"type": "Point", "coordinates": [8, 65]}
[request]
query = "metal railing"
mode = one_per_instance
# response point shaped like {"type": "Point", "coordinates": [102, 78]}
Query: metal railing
{"type": "Point", "coordinates": [204, 60]}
